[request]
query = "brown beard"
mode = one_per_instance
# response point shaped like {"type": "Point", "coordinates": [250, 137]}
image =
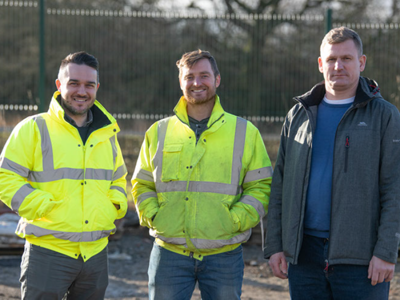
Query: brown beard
{"type": "Point", "coordinates": [193, 101]}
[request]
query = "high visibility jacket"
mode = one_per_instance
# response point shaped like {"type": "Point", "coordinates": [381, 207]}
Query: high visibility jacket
{"type": "Point", "coordinates": [204, 197]}
{"type": "Point", "coordinates": [63, 190]}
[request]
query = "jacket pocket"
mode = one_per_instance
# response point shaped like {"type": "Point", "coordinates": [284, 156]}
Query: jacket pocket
{"type": "Point", "coordinates": [57, 213]}
{"type": "Point", "coordinates": [171, 162]}
{"type": "Point", "coordinates": [234, 226]}
{"type": "Point", "coordinates": [105, 213]}
{"type": "Point", "coordinates": [169, 220]}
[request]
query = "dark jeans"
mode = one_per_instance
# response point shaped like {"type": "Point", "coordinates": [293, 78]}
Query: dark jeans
{"type": "Point", "coordinates": [310, 279]}
{"type": "Point", "coordinates": [48, 275]}
{"type": "Point", "coordinates": [173, 276]}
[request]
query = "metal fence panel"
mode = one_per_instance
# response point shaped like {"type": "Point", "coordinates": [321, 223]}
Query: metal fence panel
{"type": "Point", "coordinates": [264, 60]}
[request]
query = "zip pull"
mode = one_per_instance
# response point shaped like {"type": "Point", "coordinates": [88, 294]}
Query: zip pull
{"type": "Point", "coordinates": [346, 155]}
{"type": "Point", "coordinates": [326, 266]}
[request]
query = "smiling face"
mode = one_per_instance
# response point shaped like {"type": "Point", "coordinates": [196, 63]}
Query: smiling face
{"type": "Point", "coordinates": [341, 65]}
{"type": "Point", "coordinates": [199, 83]}
{"type": "Point", "coordinates": [78, 87]}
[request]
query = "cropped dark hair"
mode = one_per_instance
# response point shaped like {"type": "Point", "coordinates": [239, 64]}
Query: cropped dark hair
{"type": "Point", "coordinates": [81, 58]}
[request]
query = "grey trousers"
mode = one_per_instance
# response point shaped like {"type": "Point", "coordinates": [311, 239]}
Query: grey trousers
{"type": "Point", "coordinates": [49, 275]}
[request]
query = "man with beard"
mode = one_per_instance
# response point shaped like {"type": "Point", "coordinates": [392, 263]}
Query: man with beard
{"type": "Point", "coordinates": [202, 181]}
{"type": "Point", "coordinates": [63, 173]}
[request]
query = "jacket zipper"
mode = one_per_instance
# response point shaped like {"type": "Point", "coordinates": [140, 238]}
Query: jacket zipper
{"type": "Point", "coordinates": [346, 155]}
{"type": "Point", "coordinates": [347, 145]}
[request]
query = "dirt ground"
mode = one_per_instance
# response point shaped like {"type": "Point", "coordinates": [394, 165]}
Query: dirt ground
{"type": "Point", "coordinates": [129, 255]}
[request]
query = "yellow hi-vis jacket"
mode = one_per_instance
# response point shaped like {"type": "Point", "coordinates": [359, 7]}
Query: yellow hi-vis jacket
{"type": "Point", "coordinates": [63, 190]}
{"type": "Point", "coordinates": [202, 199]}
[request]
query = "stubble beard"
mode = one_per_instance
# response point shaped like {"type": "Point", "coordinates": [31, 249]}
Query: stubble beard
{"type": "Point", "coordinates": [195, 101]}
{"type": "Point", "coordinates": [71, 110]}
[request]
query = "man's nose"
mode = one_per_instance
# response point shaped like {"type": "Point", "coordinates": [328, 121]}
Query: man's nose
{"type": "Point", "coordinates": [338, 65]}
{"type": "Point", "coordinates": [82, 89]}
{"type": "Point", "coordinates": [197, 81]}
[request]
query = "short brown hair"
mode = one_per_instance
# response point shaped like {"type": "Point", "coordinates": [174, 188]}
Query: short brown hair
{"type": "Point", "coordinates": [190, 58]}
{"type": "Point", "coordinates": [340, 35]}
{"type": "Point", "coordinates": [81, 58]}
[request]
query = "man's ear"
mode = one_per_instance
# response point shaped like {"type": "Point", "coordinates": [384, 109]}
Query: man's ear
{"type": "Point", "coordinates": [180, 84]}
{"type": "Point", "coordinates": [321, 69]}
{"type": "Point", "coordinates": [218, 80]}
{"type": "Point", "coordinates": [363, 61]}
{"type": "Point", "coordinates": [58, 84]}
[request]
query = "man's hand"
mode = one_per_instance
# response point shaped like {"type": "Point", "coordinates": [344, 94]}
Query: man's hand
{"type": "Point", "coordinates": [380, 270]}
{"type": "Point", "coordinates": [278, 264]}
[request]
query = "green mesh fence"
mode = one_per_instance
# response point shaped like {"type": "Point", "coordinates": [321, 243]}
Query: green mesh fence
{"type": "Point", "coordinates": [264, 60]}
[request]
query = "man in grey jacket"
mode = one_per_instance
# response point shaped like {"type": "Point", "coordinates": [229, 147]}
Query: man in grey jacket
{"type": "Point", "coordinates": [334, 211]}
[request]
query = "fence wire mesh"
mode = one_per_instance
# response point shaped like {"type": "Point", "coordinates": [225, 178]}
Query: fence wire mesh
{"type": "Point", "coordinates": [264, 60]}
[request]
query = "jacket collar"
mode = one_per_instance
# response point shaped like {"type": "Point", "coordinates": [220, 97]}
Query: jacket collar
{"type": "Point", "coordinates": [101, 117]}
{"type": "Point", "coordinates": [367, 90]}
{"type": "Point", "coordinates": [180, 111]}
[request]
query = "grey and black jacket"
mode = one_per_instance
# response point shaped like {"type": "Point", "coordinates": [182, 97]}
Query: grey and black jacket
{"type": "Point", "coordinates": [365, 212]}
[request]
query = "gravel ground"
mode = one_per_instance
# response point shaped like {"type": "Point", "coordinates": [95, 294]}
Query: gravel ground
{"type": "Point", "coordinates": [129, 256]}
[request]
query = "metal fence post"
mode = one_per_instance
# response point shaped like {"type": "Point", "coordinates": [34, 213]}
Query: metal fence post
{"type": "Point", "coordinates": [42, 68]}
{"type": "Point", "coordinates": [328, 23]}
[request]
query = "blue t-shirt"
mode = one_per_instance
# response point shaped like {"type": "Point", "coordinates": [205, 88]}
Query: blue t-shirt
{"type": "Point", "coordinates": [318, 205]}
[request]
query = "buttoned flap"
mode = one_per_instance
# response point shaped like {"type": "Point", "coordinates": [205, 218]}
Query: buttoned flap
{"type": "Point", "coordinates": [171, 162]}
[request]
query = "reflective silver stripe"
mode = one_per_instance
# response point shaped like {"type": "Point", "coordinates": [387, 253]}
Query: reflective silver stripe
{"type": "Point", "coordinates": [121, 171]}
{"type": "Point", "coordinates": [203, 243]}
{"type": "Point", "coordinates": [145, 196]}
{"type": "Point", "coordinates": [145, 175]}
{"type": "Point", "coordinates": [211, 244]}
{"type": "Point", "coordinates": [76, 174]}
{"type": "Point", "coordinates": [47, 149]}
{"type": "Point", "coordinates": [98, 174]}
{"type": "Point", "coordinates": [86, 236]}
{"type": "Point", "coordinates": [20, 196]}
{"type": "Point", "coordinates": [119, 189]}
{"type": "Point", "coordinates": [172, 186]}
{"type": "Point", "coordinates": [199, 186]}
{"type": "Point", "coordinates": [52, 175]}
{"type": "Point", "coordinates": [238, 149]}
{"type": "Point", "coordinates": [175, 241]}
{"type": "Point", "coordinates": [250, 200]}
{"type": "Point", "coordinates": [30, 229]}
{"type": "Point", "coordinates": [211, 187]}
{"type": "Point", "coordinates": [258, 174]}
{"type": "Point", "coordinates": [114, 150]}
{"type": "Point", "coordinates": [7, 164]}
{"type": "Point", "coordinates": [158, 157]}
{"type": "Point", "coordinates": [214, 187]}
